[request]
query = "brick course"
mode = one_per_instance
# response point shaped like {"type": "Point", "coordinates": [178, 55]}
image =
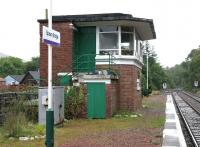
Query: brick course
{"type": "Point", "coordinates": [130, 99]}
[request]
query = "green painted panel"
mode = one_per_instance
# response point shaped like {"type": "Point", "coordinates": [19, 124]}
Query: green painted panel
{"type": "Point", "coordinates": [96, 103]}
{"type": "Point", "coordinates": [84, 49]}
{"type": "Point", "coordinates": [65, 80]}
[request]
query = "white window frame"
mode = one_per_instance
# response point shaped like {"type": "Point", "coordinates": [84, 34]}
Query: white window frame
{"type": "Point", "coordinates": [133, 33]}
{"type": "Point", "coordinates": [98, 41]}
{"type": "Point", "coordinates": [120, 59]}
{"type": "Point", "coordinates": [119, 42]}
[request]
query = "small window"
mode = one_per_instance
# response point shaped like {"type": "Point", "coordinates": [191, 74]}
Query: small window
{"type": "Point", "coordinates": [141, 48]}
{"type": "Point", "coordinates": [127, 44]}
{"type": "Point", "coordinates": [137, 44]}
{"type": "Point", "coordinates": [108, 29]}
{"type": "Point", "coordinates": [108, 40]}
{"type": "Point", "coordinates": [127, 40]}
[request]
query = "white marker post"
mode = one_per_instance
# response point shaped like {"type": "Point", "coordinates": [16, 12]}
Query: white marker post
{"type": "Point", "coordinates": [52, 38]}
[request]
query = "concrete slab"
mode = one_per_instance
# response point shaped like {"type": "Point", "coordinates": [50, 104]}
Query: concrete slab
{"type": "Point", "coordinates": [172, 133]}
{"type": "Point", "coordinates": [170, 116]}
{"type": "Point", "coordinates": [170, 125]}
{"type": "Point", "coordinates": [169, 141]}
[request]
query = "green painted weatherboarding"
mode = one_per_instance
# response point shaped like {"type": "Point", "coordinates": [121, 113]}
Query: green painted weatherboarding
{"type": "Point", "coordinates": [84, 49]}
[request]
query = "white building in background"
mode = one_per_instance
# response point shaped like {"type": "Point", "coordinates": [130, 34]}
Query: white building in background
{"type": "Point", "coordinates": [13, 79]}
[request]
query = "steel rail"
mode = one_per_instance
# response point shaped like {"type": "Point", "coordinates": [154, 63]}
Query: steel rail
{"type": "Point", "coordinates": [191, 97]}
{"type": "Point", "coordinates": [185, 121]}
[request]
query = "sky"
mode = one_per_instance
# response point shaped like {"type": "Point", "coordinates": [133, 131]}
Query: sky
{"type": "Point", "coordinates": [176, 23]}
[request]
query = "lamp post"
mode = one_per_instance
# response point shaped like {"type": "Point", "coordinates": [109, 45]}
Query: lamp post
{"type": "Point", "coordinates": [147, 55]}
{"type": "Point", "coordinates": [146, 52]}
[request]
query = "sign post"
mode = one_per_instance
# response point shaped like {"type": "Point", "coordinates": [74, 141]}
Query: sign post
{"type": "Point", "coordinates": [164, 85]}
{"type": "Point", "coordinates": [196, 83]}
{"type": "Point", "coordinates": [52, 38]}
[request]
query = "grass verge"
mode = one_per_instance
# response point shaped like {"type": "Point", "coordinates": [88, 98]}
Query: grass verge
{"type": "Point", "coordinates": [152, 116]}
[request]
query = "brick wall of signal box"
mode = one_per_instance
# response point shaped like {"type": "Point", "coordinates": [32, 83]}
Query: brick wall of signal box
{"type": "Point", "coordinates": [129, 98]}
{"type": "Point", "coordinates": [62, 56]}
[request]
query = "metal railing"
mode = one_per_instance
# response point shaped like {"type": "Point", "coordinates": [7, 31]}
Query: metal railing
{"type": "Point", "coordinates": [88, 62]}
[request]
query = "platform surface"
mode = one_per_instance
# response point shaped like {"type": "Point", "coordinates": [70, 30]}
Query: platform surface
{"type": "Point", "coordinates": [172, 133]}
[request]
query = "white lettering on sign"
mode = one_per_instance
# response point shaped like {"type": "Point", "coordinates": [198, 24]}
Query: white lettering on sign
{"type": "Point", "coordinates": [51, 37]}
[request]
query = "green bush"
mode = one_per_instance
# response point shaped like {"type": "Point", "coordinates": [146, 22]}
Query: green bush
{"type": "Point", "coordinates": [74, 102]}
{"type": "Point", "coordinates": [40, 129]}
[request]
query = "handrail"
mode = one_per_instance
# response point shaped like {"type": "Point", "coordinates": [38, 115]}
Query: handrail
{"type": "Point", "coordinates": [77, 65]}
{"type": "Point", "coordinates": [88, 59]}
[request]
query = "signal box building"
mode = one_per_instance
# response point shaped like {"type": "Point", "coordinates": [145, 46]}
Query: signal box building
{"type": "Point", "coordinates": [105, 52]}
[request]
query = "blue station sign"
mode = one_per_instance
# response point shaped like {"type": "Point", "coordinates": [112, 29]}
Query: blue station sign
{"type": "Point", "coordinates": [51, 37]}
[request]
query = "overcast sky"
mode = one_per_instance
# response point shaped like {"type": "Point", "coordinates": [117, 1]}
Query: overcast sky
{"type": "Point", "coordinates": [176, 22]}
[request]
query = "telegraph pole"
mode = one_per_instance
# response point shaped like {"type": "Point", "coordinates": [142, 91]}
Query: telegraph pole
{"type": "Point", "coordinates": [147, 54]}
{"type": "Point", "coordinates": [147, 74]}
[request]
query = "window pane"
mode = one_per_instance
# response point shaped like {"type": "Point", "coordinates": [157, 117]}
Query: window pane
{"type": "Point", "coordinates": [108, 29]}
{"type": "Point", "coordinates": [141, 48]}
{"type": "Point", "coordinates": [108, 41]}
{"type": "Point", "coordinates": [127, 29]}
{"type": "Point", "coordinates": [112, 52]}
{"type": "Point", "coordinates": [127, 44]}
{"type": "Point", "coordinates": [137, 45]}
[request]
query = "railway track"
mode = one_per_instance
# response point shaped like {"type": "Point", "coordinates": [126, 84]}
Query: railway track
{"type": "Point", "coordinates": [189, 109]}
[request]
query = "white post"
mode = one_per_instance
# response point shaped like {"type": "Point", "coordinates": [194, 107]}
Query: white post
{"type": "Point", "coordinates": [134, 42]}
{"type": "Point", "coordinates": [50, 61]}
{"type": "Point", "coordinates": [147, 70]}
{"type": "Point", "coordinates": [119, 41]}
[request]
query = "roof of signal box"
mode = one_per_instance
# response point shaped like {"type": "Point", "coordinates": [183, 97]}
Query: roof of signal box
{"type": "Point", "coordinates": [144, 27]}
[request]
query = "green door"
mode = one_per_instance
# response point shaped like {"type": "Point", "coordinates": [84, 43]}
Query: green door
{"type": "Point", "coordinates": [84, 49]}
{"type": "Point", "coordinates": [96, 103]}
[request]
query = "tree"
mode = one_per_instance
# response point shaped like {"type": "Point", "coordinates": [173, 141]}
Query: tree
{"type": "Point", "coordinates": [184, 74]}
{"type": "Point", "coordinates": [32, 65]}
{"type": "Point", "coordinates": [157, 74]}
{"type": "Point", "coordinates": [11, 66]}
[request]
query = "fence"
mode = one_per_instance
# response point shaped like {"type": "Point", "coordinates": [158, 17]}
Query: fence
{"type": "Point", "coordinates": [7, 99]}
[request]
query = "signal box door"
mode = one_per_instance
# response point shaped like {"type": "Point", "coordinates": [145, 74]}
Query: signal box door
{"type": "Point", "coordinates": [96, 103]}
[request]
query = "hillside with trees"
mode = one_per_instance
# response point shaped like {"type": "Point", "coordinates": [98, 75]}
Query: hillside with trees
{"type": "Point", "coordinates": [15, 66]}
{"type": "Point", "coordinates": [183, 75]}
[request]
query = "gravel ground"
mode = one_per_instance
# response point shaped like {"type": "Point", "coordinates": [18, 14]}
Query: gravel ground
{"type": "Point", "coordinates": [140, 137]}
